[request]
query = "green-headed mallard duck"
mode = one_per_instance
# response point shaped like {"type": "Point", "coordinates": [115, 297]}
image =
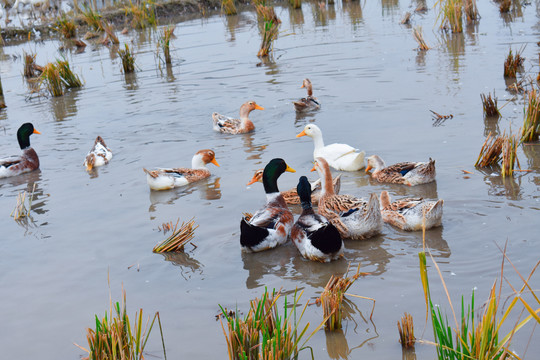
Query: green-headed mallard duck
{"type": "Point", "coordinates": [408, 173]}
{"type": "Point", "coordinates": [99, 155]}
{"type": "Point", "coordinates": [315, 237]}
{"type": "Point", "coordinates": [230, 125]}
{"type": "Point", "coordinates": [308, 103]}
{"type": "Point", "coordinates": [408, 214]}
{"type": "Point", "coordinates": [28, 161]}
{"type": "Point", "coordinates": [163, 179]}
{"type": "Point", "coordinates": [271, 225]}
{"type": "Point", "coordinates": [339, 156]}
{"type": "Point", "coordinates": [291, 196]}
{"type": "Point", "coordinates": [354, 218]}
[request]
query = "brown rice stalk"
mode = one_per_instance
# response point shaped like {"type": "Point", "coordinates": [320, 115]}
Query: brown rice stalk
{"type": "Point", "coordinates": [270, 33]}
{"type": "Point", "coordinates": [52, 80]}
{"type": "Point", "coordinates": [128, 60]}
{"type": "Point", "coordinates": [471, 10]}
{"type": "Point", "coordinates": [266, 14]}
{"type": "Point", "coordinates": [491, 150]}
{"type": "Point", "coordinates": [65, 26]}
{"type": "Point", "coordinates": [165, 41]}
{"type": "Point", "coordinates": [70, 79]}
{"type": "Point", "coordinates": [489, 105]}
{"type": "Point", "coordinates": [504, 7]}
{"type": "Point", "coordinates": [108, 28]}
{"type": "Point", "coordinates": [406, 331]}
{"type": "Point", "coordinates": [513, 63]}
{"type": "Point", "coordinates": [417, 34]}
{"type": "Point", "coordinates": [331, 299]}
{"type": "Point", "coordinates": [509, 157]}
{"type": "Point", "coordinates": [406, 19]}
{"type": "Point", "coordinates": [179, 238]}
{"type": "Point", "coordinates": [91, 18]}
{"type": "Point", "coordinates": [228, 7]}
{"type": "Point", "coordinates": [450, 15]}
{"type": "Point", "coordinates": [531, 122]}
{"type": "Point", "coordinates": [30, 66]}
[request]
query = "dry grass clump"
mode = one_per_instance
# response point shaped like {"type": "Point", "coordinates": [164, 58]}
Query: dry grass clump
{"type": "Point", "coordinates": [91, 17]}
{"type": "Point", "coordinates": [164, 42]}
{"type": "Point", "coordinates": [114, 338]}
{"type": "Point", "coordinates": [513, 63]}
{"type": "Point", "coordinates": [406, 331]}
{"type": "Point", "coordinates": [490, 153]}
{"type": "Point", "coordinates": [471, 10]}
{"type": "Point", "coordinates": [143, 13]}
{"type": "Point", "coordinates": [419, 37]}
{"type": "Point", "coordinates": [52, 80]}
{"type": "Point", "coordinates": [489, 105]}
{"type": "Point", "coordinates": [109, 30]}
{"type": "Point", "coordinates": [264, 333]}
{"type": "Point", "coordinates": [451, 15]}
{"type": "Point", "coordinates": [30, 66]}
{"type": "Point", "coordinates": [509, 157]}
{"type": "Point", "coordinates": [504, 6]}
{"type": "Point", "coordinates": [70, 79]}
{"type": "Point", "coordinates": [21, 210]}
{"type": "Point", "coordinates": [179, 238]}
{"type": "Point", "coordinates": [128, 59]}
{"type": "Point", "coordinates": [531, 122]}
{"type": "Point", "coordinates": [65, 26]}
{"type": "Point", "coordinates": [331, 299]}
{"type": "Point", "coordinates": [406, 20]}
{"type": "Point", "coordinates": [266, 13]}
{"type": "Point", "coordinates": [269, 30]}
{"type": "Point", "coordinates": [228, 7]}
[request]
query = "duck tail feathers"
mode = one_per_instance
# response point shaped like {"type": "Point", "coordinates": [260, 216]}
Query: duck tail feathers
{"type": "Point", "coordinates": [251, 235]}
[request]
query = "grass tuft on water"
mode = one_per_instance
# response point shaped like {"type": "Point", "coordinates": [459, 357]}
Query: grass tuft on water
{"type": "Point", "coordinates": [70, 79]}
{"type": "Point", "coordinates": [270, 31]}
{"type": "Point", "coordinates": [21, 210]}
{"type": "Point", "coordinates": [91, 17]}
{"type": "Point", "coordinates": [513, 63]}
{"type": "Point", "coordinates": [65, 26]}
{"type": "Point", "coordinates": [128, 59]}
{"type": "Point", "coordinates": [531, 121]}
{"type": "Point", "coordinates": [30, 66]}
{"type": "Point", "coordinates": [109, 30]}
{"type": "Point", "coordinates": [419, 37]}
{"type": "Point", "coordinates": [490, 153]}
{"type": "Point", "coordinates": [52, 80]}
{"type": "Point", "coordinates": [450, 15]}
{"type": "Point", "coordinates": [179, 238]}
{"type": "Point", "coordinates": [406, 331]}
{"type": "Point", "coordinates": [228, 7]}
{"type": "Point", "coordinates": [164, 42]}
{"type": "Point", "coordinates": [143, 13]}
{"type": "Point", "coordinates": [114, 337]}
{"type": "Point", "coordinates": [489, 104]}
{"type": "Point", "coordinates": [265, 333]}
{"type": "Point", "coordinates": [509, 154]}
{"type": "Point", "coordinates": [331, 298]}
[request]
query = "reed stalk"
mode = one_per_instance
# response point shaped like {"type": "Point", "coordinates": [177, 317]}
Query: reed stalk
{"type": "Point", "coordinates": [419, 37]}
{"type": "Point", "coordinates": [489, 104]}
{"type": "Point", "coordinates": [406, 331]}
{"type": "Point", "coordinates": [471, 10]}
{"type": "Point", "coordinates": [513, 63]}
{"type": "Point", "coordinates": [179, 238]}
{"type": "Point", "coordinates": [509, 157]}
{"type": "Point", "coordinates": [450, 15]}
{"type": "Point", "coordinates": [65, 26]}
{"type": "Point", "coordinates": [228, 7]}
{"type": "Point", "coordinates": [128, 59]}
{"type": "Point", "coordinates": [115, 338]}
{"type": "Point", "coordinates": [295, 4]}
{"type": "Point", "coordinates": [531, 122]}
{"type": "Point", "coordinates": [109, 30]}
{"type": "Point", "coordinates": [270, 33]}
{"type": "Point", "coordinates": [491, 150]}
{"type": "Point", "coordinates": [70, 79]}
{"type": "Point", "coordinates": [52, 80]}
{"type": "Point", "coordinates": [164, 42]}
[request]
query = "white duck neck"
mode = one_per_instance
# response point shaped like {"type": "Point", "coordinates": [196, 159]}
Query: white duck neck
{"type": "Point", "coordinates": [317, 140]}
{"type": "Point", "coordinates": [197, 162]}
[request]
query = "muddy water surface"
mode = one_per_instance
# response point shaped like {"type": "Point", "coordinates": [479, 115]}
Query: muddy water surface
{"type": "Point", "coordinates": [376, 91]}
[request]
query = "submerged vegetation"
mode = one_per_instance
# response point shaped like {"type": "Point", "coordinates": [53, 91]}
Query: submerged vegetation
{"type": "Point", "coordinates": [143, 13]}
{"type": "Point", "coordinates": [58, 76]}
{"type": "Point", "coordinates": [513, 64]}
{"type": "Point", "coordinates": [164, 42]}
{"type": "Point", "coordinates": [419, 37]}
{"type": "Point", "coordinates": [128, 59]}
{"type": "Point", "coordinates": [531, 122]}
{"type": "Point", "coordinates": [21, 209]}
{"type": "Point", "coordinates": [489, 104]}
{"type": "Point", "coordinates": [406, 331]}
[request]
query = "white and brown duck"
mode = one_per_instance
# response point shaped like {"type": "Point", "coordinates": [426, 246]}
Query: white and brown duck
{"type": "Point", "coordinates": [231, 125]}
{"type": "Point", "coordinates": [308, 103]}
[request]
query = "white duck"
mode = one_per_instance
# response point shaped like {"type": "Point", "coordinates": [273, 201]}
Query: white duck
{"type": "Point", "coordinates": [339, 156]}
{"type": "Point", "coordinates": [99, 155]}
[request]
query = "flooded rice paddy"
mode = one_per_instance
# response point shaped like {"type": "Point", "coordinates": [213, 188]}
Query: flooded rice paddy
{"type": "Point", "coordinates": [376, 93]}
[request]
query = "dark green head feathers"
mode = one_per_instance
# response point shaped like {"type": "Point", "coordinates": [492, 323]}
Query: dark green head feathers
{"type": "Point", "coordinates": [23, 135]}
{"type": "Point", "coordinates": [272, 172]}
{"type": "Point", "coordinates": [304, 192]}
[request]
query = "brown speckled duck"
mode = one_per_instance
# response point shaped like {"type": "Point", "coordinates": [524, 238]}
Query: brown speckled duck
{"type": "Point", "coordinates": [230, 125]}
{"type": "Point", "coordinates": [354, 218]}
{"type": "Point", "coordinates": [291, 196]}
{"type": "Point", "coordinates": [308, 103]}
{"type": "Point", "coordinates": [408, 214]}
{"type": "Point", "coordinates": [28, 161]}
{"type": "Point", "coordinates": [408, 173]}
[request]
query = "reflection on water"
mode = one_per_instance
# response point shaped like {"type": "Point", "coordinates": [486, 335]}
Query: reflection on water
{"type": "Point", "coordinates": [64, 107]}
{"type": "Point", "coordinates": [296, 18]}
{"type": "Point", "coordinates": [532, 152]}
{"type": "Point", "coordinates": [255, 151]}
{"type": "Point", "coordinates": [491, 125]}
{"type": "Point", "coordinates": [454, 44]}
{"type": "Point", "coordinates": [113, 51]}
{"type": "Point", "coordinates": [354, 10]}
{"type": "Point", "coordinates": [188, 265]}
{"type": "Point", "coordinates": [370, 253]}
{"type": "Point", "coordinates": [131, 81]}
{"type": "Point", "coordinates": [301, 119]}
{"type": "Point", "coordinates": [337, 345]}
{"type": "Point", "coordinates": [509, 187]}
{"type": "Point", "coordinates": [208, 189]}
{"type": "Point", "coordinates": [270, 262]}
{"type": "Point", "coordinates": [408, 354]}
{"type": "Point", "coordinates": [231, 23]}
{"type": "Point", "coordinates": [399, 191]}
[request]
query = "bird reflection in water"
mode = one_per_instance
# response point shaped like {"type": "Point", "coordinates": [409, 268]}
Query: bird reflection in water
{"type": "Point", "coordinates": [509, 187]}
{"type": "Point", "coordinates": [255, 151]}
{"type": "Point", "coordinates": [34, 193]}
{"type": "Point", "coordinates": [208, 189]}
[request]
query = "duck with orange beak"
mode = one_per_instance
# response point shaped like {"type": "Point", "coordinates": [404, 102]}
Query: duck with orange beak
{"type": "Point", "coordinates": [408, 173]}
{"type": "Point", "coordinates": [163, 179]}
{"type": "Point", "coordinates": [308, 103]}
{"type": "Point", "coordinates": [99, 155]}
{"type": "Point", "coordinates": [28, 161]}
{"type": "Point", "coordinates": [231, 125]}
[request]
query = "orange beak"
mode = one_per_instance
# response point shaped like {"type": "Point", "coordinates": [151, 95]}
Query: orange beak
{"type": "Point", "coordinates": [303, 133]}
{"type": "Point", "coordinates": [36, 132]}
{"type": "Point", "coordinates": [369, 167]}
{"type": "Point", "coordinates": [302, 86]}
{"type": "Point", "coordinates": [252, 181]}
{"type": "Point", "coordinates": [313, 168]}
{"type": "Point", "coordinates": [214, 161]}
{"type": "Point", "coordinates": [258, 107]}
